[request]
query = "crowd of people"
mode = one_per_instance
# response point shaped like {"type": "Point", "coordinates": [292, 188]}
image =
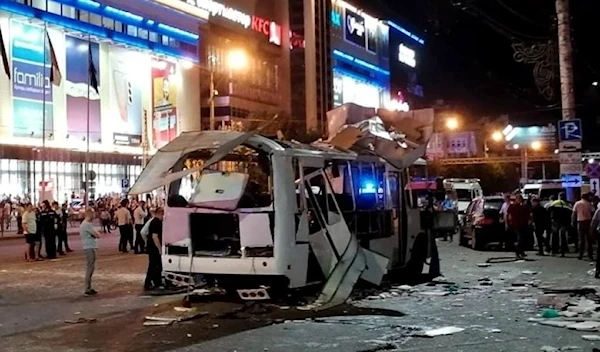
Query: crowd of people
{"type": "Point", "coordinates": [553, 224]}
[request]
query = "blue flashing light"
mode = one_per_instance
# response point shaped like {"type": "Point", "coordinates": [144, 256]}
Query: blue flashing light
{"type": "Point", "coordinates": [97, 31]}
{"type": "Point", "coordinates": [368, 187]}
{"type": "Point", "coordinates": [365, 64]}
{"type": "Point", "coordinates": [406, 32]}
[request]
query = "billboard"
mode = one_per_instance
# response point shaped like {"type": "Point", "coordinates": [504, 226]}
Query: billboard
{"type": "Point", "coordinates": [355, 29]}
{"type": "Point", "coordinates": [164, 103]}
{"type": "Point", "coordinates": [77, 88]}
{"type": "Point", "coordinates": [31, 86]}
{"type": "Point", "coordinates": [126, 97]}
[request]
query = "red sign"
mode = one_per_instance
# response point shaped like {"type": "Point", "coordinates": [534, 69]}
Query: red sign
{"type": "Point", "coordinates": [261, 25]}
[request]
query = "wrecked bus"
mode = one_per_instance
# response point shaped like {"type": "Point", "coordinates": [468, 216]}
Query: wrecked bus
{"type": "Point", "coordinates": [256, 215]}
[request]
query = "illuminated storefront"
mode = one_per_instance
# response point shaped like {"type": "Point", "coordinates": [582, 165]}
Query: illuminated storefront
{"type": "Point", "coordinates": [406, 60]}
{"type": "Point", "coordinates": [360, 57]}
{"type": "Point", "coordinates": [140, 65]}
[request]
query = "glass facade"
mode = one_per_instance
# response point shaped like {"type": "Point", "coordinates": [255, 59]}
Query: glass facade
{"type": "Point", "coordinates": [22, 178]}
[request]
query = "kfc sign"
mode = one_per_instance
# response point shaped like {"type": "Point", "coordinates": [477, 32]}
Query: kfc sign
{"type": "Point", "coordinates": [355, 28]}
{"type": "Point", "coordinates": [268, 28]}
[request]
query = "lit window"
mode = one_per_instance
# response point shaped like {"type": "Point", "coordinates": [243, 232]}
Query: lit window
{"type": "Point", "coordinates": [143, 33]}
{"type": "Point", "coordinates": [68, 11]}
{"type": "Point", "coordinates": [108, 23]}
{"type": "Point", "coordinates": [132, 31]}
{"type": "Point", "coordinates": [95, 19]}
{"type": "Point", "coordinates": [39, 4]}
{"type": "Point", "coordinates": [153, 37]}
{"type": "Point", "coordinates": [165, 40]}
{"type": "Point", "coordinates": [54, 7]}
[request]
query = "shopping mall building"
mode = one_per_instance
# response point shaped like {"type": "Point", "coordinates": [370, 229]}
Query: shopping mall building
{"type": "Point", "coordinates": [152, 60]}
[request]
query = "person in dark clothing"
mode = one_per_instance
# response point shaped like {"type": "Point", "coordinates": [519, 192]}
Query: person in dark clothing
{"type": "Point", "coordinates": [539, 215]}
{"type": "Point", "coordinates": [153, 248]}
{"type": "Point", "coordinates": [560, 216]}
{"type": "Point", "coordinates": [518, 218]}
{"type": "Point", "coordinates": [48, 219]}
{"type": "Point", "coordinates": [64, 222]}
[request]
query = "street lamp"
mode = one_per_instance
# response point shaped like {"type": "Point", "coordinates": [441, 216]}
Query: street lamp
{"type": "Point", "coordinates": [536, 145]}
{"type": "Point", "coordinates": [452, 123]}
{"type": "Point", "coordinates": [236, 60]}
{"type": "Point", "coordinates": [497, 136]}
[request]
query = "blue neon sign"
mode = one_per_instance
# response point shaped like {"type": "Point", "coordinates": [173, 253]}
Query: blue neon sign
{"type": "Point", "coordinates": [407, 33]}
{"type": "Point", "coordinates": [100, 32]}
{"type": "Point", "coordinates": [336, 18]}
{"type": "Point", "coordinates": [360, 62]}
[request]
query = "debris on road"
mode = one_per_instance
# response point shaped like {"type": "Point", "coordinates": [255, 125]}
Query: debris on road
{"type": "Point", "coordinates": [81, 321]}
{"type": "Point", "coordinates": [550, 313]}
{"type": "Point", "coordinates": [529, 272]}
{"type": "Point", "coordinates": [447, 330]}
{"type": "Point", "coordinates": [158, 323]}
{"type": "Point", "coordinates": [591, 337]}
{"type": "Point", "coordinates": [484, 265]}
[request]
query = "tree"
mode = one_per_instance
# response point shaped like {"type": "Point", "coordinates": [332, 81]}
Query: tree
{"type": "Point", "coordinates": [495, 178]}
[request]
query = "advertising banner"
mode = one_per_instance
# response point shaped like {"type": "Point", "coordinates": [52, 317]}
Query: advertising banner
{"type": "Point", "coordinates": [164, 103]}
{"type": "Point", "coordinates": [77, 87]}
{"type": "Point", "coordinates": [31, 86]}
{"type": "Point", "coordinates": [355, 30]}
{"type": "Point", "coordinates": [126, 97]}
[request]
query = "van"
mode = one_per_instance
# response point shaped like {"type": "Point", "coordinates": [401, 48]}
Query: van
{"type": "Point", "coordinates": [465, 190]}
{"type": "Point", "coordinates": [544, 189]}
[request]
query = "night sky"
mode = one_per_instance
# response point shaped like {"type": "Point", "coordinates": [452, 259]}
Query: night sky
{"type": "Point", "coordinates": [469, 55]}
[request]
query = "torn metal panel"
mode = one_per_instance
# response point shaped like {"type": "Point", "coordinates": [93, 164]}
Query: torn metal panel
{"type": "Point", "coordinates": [376, 267]}
{"type": "Point", "coordinates": [350, 266]}
{"type": "Point", "coordinates": [219, 190]}
{"type": "Point", "coordinates": [255, 231]}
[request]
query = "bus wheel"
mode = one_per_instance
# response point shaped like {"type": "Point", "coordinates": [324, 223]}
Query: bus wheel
{"type": "Point", "coordinates": [418, 257]}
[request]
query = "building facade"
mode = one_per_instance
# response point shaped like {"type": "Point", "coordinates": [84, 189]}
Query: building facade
{"type": "Point", "coordinates": [349, 56]}
{"type": "Point", "coordinates": [142, 55]}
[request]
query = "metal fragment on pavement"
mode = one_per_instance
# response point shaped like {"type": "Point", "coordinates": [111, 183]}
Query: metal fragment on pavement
{"type": "Point", "coordinates": [447, 330]}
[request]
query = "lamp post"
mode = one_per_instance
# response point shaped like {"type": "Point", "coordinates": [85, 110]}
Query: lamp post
{"type": "Point", "coordinates": [497, 137]}
{"type": "Point", "coordinates": [237, 59]}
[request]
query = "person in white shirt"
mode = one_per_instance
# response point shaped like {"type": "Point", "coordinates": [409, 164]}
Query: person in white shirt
{"type": "Point", "coordinates": [139, 216]}
{"type": "Point", "coordinates": [503, 215]}
{"type": "Point", "coordinates": [31, 234]}
{"type": "Point", "coordinates": [582, 214]}
{"type": "Point", "coordinates": [124, 221]}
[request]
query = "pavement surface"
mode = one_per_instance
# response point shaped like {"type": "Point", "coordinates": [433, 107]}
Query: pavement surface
{"type": "Point", "coordinates": [36, 300]}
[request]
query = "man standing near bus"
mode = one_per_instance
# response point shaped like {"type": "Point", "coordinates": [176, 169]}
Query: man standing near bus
{"type": "Point", "coordinates": [153, 248]}
{"type": "Point", "coordinates": [518, 218]}
{"type": "Point", "coordinates": [124, 222]}
{"type": "Point", "coordinates": [582, 216]}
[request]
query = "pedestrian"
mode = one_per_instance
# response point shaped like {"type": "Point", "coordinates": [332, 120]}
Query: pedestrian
{"type": "Point", "coordinates": [31, 234]}
{"type": "Point", "coordinates": [139, 216]}
{"type": "Point", "coordinates": [582, 216]}
{"type": "Point", "coordinates": [154, 248]}
{"type": "Point", "coordinates": [507, 233]}
{"type": "Point", "coordinates": [560, 216]}
{"type": "Point", "coordinates": [48, 220]}
{"type": "Point", "coordinates": [89, 242]}
{"type": "Point", "coordinates": [64, 223]}
{"type": "Point", "coordinates": [539, 215]}
{"type": "Point", "coordinates": [518, 218]}
{"type": "Point", "coordinates": [124, 222]}
{"type": "Point", "coordinates": [20, 211]}
{"type": "Point", "coordinates": [105, 219]}
{"type": "Point", "coordinates": [59, 229]}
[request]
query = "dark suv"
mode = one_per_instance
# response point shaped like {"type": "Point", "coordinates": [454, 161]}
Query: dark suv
{"type": "Point", "coordinates": [482, 223]}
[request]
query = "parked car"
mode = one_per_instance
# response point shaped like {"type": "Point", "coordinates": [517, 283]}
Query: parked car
{"type": "Point", "coordinates": [482, 223]}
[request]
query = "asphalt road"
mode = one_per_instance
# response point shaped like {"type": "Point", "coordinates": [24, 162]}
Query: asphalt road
{"type": "Point", "coordinates": [37, 298]}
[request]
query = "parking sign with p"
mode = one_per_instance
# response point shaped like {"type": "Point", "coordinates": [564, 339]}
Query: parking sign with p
{"type": "Point", "coordinates": [569, 130]}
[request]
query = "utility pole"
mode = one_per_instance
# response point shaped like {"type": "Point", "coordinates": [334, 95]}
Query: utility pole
{"type": "Point", "coordinates": [565, 52]}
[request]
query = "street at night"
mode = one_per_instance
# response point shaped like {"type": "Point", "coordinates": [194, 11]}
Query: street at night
{"type": "Point", "coordinates": [38, 301]}
{"type": "Point", "coordinates": [299, 176]}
